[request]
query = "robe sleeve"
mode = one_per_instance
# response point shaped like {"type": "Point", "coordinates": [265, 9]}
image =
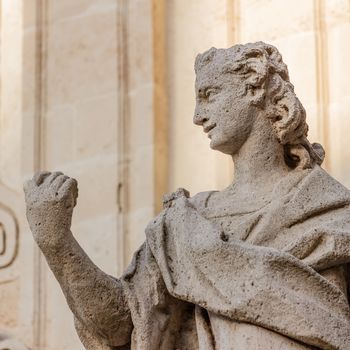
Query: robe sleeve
{"type": "Point", "coordinates": [245, 282]}
{"type": "Point", "coordinates": [156, 315]}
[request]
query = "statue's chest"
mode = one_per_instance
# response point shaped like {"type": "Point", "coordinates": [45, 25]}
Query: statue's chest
{"type": "Point", "coordinates": [238, 226]}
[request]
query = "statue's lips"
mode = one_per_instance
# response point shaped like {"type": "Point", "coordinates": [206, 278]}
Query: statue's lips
{"type": "Point", "coordinates": [207, 128]}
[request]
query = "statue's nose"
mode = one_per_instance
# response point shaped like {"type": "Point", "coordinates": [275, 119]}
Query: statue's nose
{"type": "Point", "coordinates": [199, 117]}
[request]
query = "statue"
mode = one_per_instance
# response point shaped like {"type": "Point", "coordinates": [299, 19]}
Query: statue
{"type": "Point", "coordinates": [262, 264]}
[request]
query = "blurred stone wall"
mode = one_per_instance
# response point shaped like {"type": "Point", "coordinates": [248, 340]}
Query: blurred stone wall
{"type": "Point", "coordinates": [104, 91]}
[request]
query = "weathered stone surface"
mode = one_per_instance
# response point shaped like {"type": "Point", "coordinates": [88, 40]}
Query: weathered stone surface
{"type": "Point", "coordinates": [262, 264]}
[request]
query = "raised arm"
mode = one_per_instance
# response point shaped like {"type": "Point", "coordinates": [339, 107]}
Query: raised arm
{"type": "Point", "coordinates": [96, 299]}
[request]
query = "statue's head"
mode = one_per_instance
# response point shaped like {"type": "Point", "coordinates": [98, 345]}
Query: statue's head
{"type": "Point", "coordinates": [234, 86]}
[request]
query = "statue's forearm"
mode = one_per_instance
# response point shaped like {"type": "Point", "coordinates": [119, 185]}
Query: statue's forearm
{"type": "Point", "coordinates": [96, 299]}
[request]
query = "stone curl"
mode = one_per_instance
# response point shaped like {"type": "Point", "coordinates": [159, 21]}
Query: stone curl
{"type": "Point", "coordinates": [266, 80]}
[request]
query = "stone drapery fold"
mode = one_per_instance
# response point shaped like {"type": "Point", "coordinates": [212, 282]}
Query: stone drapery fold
{"type": "Point", "coordinates": [273, 279]}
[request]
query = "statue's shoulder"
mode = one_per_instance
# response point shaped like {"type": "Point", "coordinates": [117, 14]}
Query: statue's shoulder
{"type": "Point", "coordinates": [321, 184]}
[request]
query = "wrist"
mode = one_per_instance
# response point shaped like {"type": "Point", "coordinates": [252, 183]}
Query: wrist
{"type": "Point", "coordinates": [57, 240]}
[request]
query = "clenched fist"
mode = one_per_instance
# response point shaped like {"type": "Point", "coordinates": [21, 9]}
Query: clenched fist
{"type": "Point", "coordinates": [50, 199]}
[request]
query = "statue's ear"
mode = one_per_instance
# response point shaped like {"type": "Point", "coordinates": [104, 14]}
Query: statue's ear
{"type": "Point", "coordinates": [282, 114]}
{"type": "Point", "coordinates": [286, 113]}
{"type": "Point", "coordinates": [282, 109]}
{"type": "Point", "coordinates": [255, 87]}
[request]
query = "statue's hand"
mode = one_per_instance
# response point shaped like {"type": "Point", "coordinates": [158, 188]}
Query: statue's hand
{"type": "Point", "coordinates": [50, 199]}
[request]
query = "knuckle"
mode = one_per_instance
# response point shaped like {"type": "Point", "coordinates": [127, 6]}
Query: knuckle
{"type": "Point", "coordinates": [60, 177]}
{"type": "Point", "coordinates": [72, 183]}
{"type": "Point", "coordinates": [66, 190]}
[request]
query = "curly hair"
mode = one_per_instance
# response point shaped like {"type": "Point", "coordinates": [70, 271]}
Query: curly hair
{"type": "Point", "coordinates": [262, 69]}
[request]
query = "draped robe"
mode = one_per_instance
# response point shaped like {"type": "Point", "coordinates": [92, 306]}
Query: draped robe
{"type": "Point", "coordinates": [207, 278]}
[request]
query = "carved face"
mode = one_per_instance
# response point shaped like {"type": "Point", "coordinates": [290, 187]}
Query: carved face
{"type": "Point", "coordinates": [223, 108]}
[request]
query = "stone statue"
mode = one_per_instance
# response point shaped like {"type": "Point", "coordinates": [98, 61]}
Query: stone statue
{"type": "Point", "coordinates": [261, 265]}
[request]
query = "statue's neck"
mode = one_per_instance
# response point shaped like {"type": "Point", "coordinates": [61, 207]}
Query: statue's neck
{"type": "Point", "coordinates": [259, 164]}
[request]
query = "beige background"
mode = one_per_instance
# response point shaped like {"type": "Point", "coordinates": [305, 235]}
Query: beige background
{"type": "Point", "coordinates": [104, 91]}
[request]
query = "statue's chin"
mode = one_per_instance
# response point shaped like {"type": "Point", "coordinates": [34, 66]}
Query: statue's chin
{"type": "Point", "coordinates": [221, 147]}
